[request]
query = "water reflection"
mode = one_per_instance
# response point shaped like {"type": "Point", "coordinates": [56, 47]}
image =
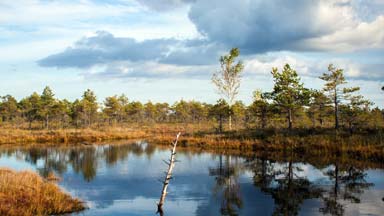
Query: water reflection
{"type": "Point", "coordinates": [226, 184]}
{"type": "Point", "coordinates": [281, 181]}
{"type": "Point", "coordinates": [122, 180]}
{"type": "Point", "coordinates": [82, 159]}
{"type": "Point", "coordinates": [348, 184]}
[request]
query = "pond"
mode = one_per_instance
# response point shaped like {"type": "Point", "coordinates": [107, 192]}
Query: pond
{"type": "Point", "coordinates": [123, 179]}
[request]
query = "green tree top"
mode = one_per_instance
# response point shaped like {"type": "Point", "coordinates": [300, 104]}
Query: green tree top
{"type": "Point", "coordinates": [334, 80]}
{"type": "Point", "coordinates": [89, 106]}
{"type": "Point", "coordinates": [112, 106]}
{"type": "Point", "coordinates": [288, 92]}
{"type": "Point", "coordinates": [227, 80]}
{"type": "Point", "coordinates": [47, 96]}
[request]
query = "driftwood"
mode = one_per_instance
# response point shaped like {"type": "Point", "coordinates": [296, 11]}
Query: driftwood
{"type": "Point", "coordinates": [168, 176]}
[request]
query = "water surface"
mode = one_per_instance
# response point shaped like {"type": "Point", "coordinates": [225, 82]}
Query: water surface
{"type": "Point", "coordinates": [123, 180]}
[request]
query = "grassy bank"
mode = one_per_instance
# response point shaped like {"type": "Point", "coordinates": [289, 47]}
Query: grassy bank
{"type": "Point", "coordinates": [18, 136]}
{"type": "Point", "coordinates": [363, 145]}
{"type": "Point", "coordinates": [26, 193]}
{"type": "Point", "coordinates": [360, 145]}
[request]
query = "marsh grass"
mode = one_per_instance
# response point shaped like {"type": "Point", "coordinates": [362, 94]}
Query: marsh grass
{"type": "Point", "coordinates": [12, 136]}
{"type": "Point", "coordinates": [364, 144]}
{"type": "Point", "coordinates": [26, 193]}
{"type": "Point", "coordinates": [361, 146]}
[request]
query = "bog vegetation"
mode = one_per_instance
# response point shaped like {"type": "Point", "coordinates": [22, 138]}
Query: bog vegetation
{"type": "Point", "coordinates": [26, 193]}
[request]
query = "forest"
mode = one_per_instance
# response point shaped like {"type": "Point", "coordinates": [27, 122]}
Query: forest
{"type": "Point", "coordinates": [44, 111]}
{"type": "Point", "coordinates": [289, 105]}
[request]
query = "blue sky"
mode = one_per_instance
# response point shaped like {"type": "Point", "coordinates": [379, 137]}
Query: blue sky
{"type": "Point", "coordinates": [166, 50]}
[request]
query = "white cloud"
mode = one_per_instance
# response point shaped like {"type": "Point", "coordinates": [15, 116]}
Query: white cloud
{"type": "Point", "coordinates": [294, 25]}
{"type": "Point", "coordinates": [263, 64]}
{"type": "Point", "coordinates": [56, 12]}
{"type": "Point", "coordinates": [363, 35]}
{"type": "Point", "coordinates": [312, 66]}
{"type": "Point", "coordinates": [50, 26]}
{"type": "Point", "coordinates": [164, 5]}
{"type": "Point", "coordinates": [331, 30]}
{"type": "Point", "coordinates": [147, 70]}
{"type": "Point", "coordinates": [31, 50]}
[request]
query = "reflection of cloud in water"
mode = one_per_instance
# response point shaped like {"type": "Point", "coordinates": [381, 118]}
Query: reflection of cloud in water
{"type": "Point", "coordinates": [15, 163]}
{"type": "Point", "coordinates": [371, 204]}
{"type": "Point", "coordinates": [255, 202]}
{"type": "Point", "coordinates": [122, 180]}
{"type": "Point", "coordinates": [139, 206]}
{"type": "Point", "coordinates": [104, 189]}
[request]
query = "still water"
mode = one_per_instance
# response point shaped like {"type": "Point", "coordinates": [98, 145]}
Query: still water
{"type": "Point", "coordinates": [123, 180]}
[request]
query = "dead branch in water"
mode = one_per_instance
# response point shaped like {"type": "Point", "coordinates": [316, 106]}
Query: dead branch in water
{"type": "Point", "coordinates": [168, 176]}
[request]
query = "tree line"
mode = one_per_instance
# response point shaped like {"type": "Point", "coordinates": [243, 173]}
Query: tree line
{"type": "Point", "coordinates": [290, 104]}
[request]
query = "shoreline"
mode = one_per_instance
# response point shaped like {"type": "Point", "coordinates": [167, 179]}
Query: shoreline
{"type": "Point", "coordinates": [27, 193]}
{"type": "Point", "coordinates": [361, 146]}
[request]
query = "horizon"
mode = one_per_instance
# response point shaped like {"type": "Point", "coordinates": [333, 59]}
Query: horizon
{"type": "Point", "coordinates": [167, 50]}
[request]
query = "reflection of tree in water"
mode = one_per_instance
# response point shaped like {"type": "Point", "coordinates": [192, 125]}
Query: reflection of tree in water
{"type": "Point", "coordinates": [113, 154]}
{"type": "Point", "coordinates": [85, 162]}
{"type": "Point", "coordinates": [348, 184]}
{"type": "Point", "coordinates": [286, 188]}
{"type": "Point", "coordinates": [263, 172]}
{"type": "Point", "coordinates": [52, 160]}
{"type": "Point", "coordinates": [290, 190]}
{"type": "Point", "coordinates": [82, 159]}
{"type": "Point", "coordinates": [226, 176]}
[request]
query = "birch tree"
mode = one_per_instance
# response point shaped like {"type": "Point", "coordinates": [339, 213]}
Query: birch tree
{"type": "Point", "coordinates": [227, 79]}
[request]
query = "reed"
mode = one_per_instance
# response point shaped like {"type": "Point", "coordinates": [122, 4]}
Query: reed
{"type": "Point", "coordinates": [26, 193]}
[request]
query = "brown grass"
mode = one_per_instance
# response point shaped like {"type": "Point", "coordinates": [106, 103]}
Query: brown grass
{"type": "Point", "coordinates": [358, 146]}
{"type": "Point", "coordinates": [12, 136]}
{"type": "Point", "coordinates": [363, 145]}
{"type": "Point", "coordinates": [26, 193]}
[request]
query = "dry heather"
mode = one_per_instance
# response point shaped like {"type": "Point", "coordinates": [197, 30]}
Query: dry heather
{"type": "Point", "coordinates": [26, 193]}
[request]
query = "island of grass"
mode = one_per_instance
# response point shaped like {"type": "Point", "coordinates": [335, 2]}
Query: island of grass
{"type": "Point", "coordinates": [26, 193]}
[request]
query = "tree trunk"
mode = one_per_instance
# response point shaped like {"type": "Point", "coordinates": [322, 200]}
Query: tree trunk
{"type": "Point", "coordinates": [47, 122]}
{"type": "Point", "coordinates": [230, 122]}
{"type": "Point", "coordinates": [263, 119]}
{"type": "Point", "coordinates": [313, 121]}
{"type": "Point", "coordinates": [289, 119]}
{"type": "Point", "coordinates": [168, 176]}
{"type": "Point", "coordinates": [221, 124]}
{"type": "Point", "coordinates": [350, 126]}
{"type": "Point", "coordinates": [336, 111]}
{"type": "Point", "coordinates": [321, 121]}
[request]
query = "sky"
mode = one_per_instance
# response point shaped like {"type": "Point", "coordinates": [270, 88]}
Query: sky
{"type": "Point", "coordinates": [167, 50]}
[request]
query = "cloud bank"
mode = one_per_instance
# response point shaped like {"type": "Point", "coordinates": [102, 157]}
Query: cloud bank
{"type": "Point", "coordinates": [257, 27]}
